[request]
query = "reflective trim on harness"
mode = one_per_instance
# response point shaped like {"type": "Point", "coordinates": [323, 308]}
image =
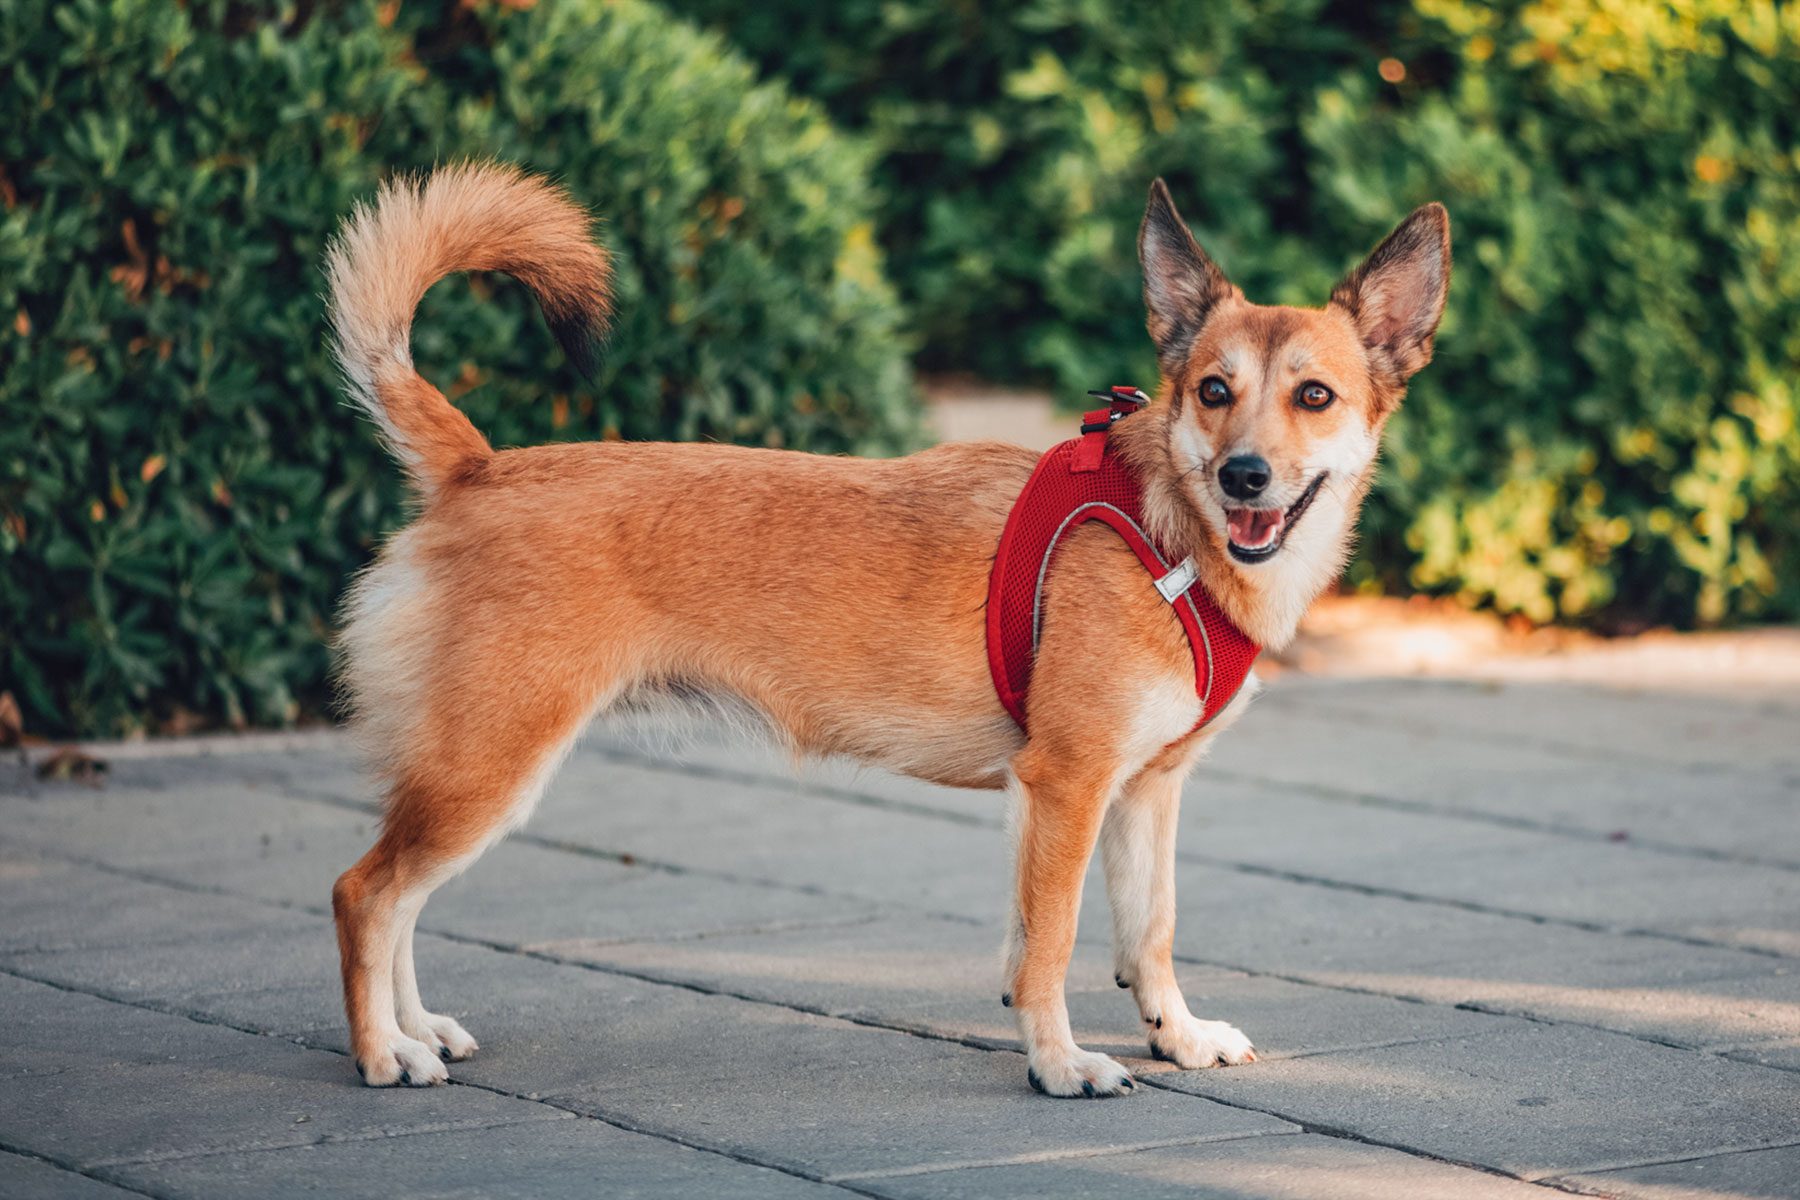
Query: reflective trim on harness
{"type": "Point", "coordinates": [1180, 578]}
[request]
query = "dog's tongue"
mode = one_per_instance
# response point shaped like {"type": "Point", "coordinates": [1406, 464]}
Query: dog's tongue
{"type": "Point", "coordinates": [1253, 528]}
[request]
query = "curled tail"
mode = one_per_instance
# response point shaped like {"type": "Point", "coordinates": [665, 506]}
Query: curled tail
{"type": "Point", "coordinates": [474, 217]}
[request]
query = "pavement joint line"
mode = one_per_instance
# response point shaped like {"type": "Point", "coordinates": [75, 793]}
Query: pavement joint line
{"type": "Point", "coordinates": [922, 1031]}
{"type": "Point", "coordinates": [982, 1045]}
{"type": "Point", "coordinates": [1054, 1156]}
{"type": "Point", "coordinates": [272, 1146]}
{"type": "Point", "coordinates": [931, 812]}
{"type": "Point", "coordinates": [1574, 750]}
{"type": "Point", "coordinates": [865, 1022]}
{"type": "Point", "coordinates": [1667, 1162]}
{"type": "Point", "coordinates": [1290, 876]}
{"type": "Point", "coordinates": [1287, 875]}
{"type": "Point", "coordinates": [802, 786]}
{"type": "Point", "coordinates": [72, 1169]}
{"type": "Point", "coordinates": [629, 858]}
{"type": "Point", "coordinates": [1356, 799]}
{"type": "Point", "coordinates": [1278, 873]}
{"type": "Point", "coordinates": [1349, 1135]}
{"type": "Point", "coordinates": [208, 1019]}
{"type": "Point", "coordinates": [1472, 1006]}
{"type": "Point", "coordinates": [987, 1046]}
{"type": "Point", "coordinates": [797, 925]}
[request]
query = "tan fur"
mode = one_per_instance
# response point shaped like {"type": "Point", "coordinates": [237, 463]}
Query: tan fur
{"type": "Point", "coordinates": [843, 599]}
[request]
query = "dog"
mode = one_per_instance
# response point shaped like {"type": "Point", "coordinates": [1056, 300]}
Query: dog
{"type": "Point", "coordinates": [841, 599]}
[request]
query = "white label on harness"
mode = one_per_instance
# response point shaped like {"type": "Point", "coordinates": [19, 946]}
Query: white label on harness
{"type": "Point", "coordinates": [1178, 580]}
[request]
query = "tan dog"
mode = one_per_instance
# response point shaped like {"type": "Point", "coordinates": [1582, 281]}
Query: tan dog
{"type": "Point", "coordinates": [539, 587]}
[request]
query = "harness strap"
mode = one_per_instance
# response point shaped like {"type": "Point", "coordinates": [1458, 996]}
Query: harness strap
{"type": "Point", "coordinates": [1072, 484]}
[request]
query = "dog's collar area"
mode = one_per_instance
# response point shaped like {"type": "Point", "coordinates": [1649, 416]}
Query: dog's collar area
{"type": "Point", "coordinates": [1076, 482]}
{"type": "Point", "coordinates": [1121, 399]}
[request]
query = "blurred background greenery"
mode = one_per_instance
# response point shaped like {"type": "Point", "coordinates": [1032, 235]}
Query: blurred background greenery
{"type": "Point", "coordinates": [808, 203]}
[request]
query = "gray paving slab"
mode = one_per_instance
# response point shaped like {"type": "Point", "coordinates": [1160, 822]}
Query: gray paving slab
{"type": "Point", "coordinates": [771, 831]}
{"type": "Point", "coordinates": [1691, 995]}
{"type": "Point", "coordinates": [23, 1178]}
{"type": "Point", "coordinates": [276, 970]}
{"type": "Point", "coordinates": [89, 1082]}
{"type": "Point", "coordinates": [1741, 812]}
{"type": "Point", "coordinates": [50, 904]}
{"type": "Point", "coordinates": [1456, 860]}
{"type": "Point", "coordinates": [944, 979]}
{"type": "Point", "coordinates": [1784, 1054]}
{"type": "Point", "coordinates": [1295, 1167]}
{"type": "Point", "coordinates": [1407, 893]}
{"type": "Point", "coordinates": [1752, 735]}
{"type": "Point", "coordinates": [1531, 1100]}
{"type": "Point", "coordinates": [274, 846]}
{"type": "Point", "coordinates": [808, 1093]}
{"type": "Point", "coordinates": [546, 1160]}
{"type": "Point", "coordinates": [700, 1067]}
{"type": "Point", "coordinates": [1747, 1175]}
{"type": "Point", "coordinates": [1601, 883]}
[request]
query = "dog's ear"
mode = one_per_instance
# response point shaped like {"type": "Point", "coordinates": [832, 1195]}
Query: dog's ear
{"type": "Point", "coordinates": [1181, 284]}
{"type": "Point", "coordinates": [1397, 296]}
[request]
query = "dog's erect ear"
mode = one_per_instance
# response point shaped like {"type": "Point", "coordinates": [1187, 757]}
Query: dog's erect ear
{"type": "Point", "coordinates": [1397, 295]}
{"type": "Point", "coordinates": [1181, 284]}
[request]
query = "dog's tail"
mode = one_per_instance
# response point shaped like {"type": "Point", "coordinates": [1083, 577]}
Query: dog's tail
{"type": "Point", "coordinates": [473, 217]}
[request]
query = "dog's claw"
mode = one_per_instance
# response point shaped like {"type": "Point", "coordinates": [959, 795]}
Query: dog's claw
{"type": "Point", "coordinates": [1031, 1077]}
{"type": "Point", "coordinates": [1006, 1000]}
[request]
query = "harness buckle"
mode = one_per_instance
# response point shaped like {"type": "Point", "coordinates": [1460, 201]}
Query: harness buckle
{"type": "Point", "coordinates": [1179, 579]}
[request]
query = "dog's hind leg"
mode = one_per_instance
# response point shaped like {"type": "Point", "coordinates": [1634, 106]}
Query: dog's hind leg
{"type": "Point", "coordinates": [1137, 844]}
{"type": "Point", "coordinates": [456, 793]}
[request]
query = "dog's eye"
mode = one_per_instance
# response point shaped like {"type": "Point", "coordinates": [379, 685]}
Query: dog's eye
{"type": "Point", "coordinates": [1314, 396]}
{"type": "Point", "coordinates": [1213, 392]}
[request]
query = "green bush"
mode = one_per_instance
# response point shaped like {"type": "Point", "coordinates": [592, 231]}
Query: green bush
{"type": "Point", "coordinates": [1612, 427]}
{"type": "Point", "coordinates": [1609, 433]}
{"type": "Point", "coordinates": [1018, 139]}
{"type": "Point", "coordinates": [182, 492]}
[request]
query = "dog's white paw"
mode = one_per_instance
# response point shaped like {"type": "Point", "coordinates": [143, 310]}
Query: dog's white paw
{"type": "Point", "coordinates": [1190, 1043]}
{"type": "Point", "coordinates": [450, 1040]}
{"type": "Point", "coordinates": [1078, 1073]}
{"type": "Point", "coordinates": [407, 1062]}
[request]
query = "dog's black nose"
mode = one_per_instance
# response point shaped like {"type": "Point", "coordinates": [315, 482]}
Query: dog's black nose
{"type": "Point", "coordinates": [1244, 476]}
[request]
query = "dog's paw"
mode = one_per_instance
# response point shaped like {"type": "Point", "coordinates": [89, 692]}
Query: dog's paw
{"type": "Point", "coordinates": [450, 1040]}
{"type": "Point", "coordinates": [1078, 1074]}
{"type": "Point", "coordinates": [1190, 1043]}
{"type": "Point", "coordinates": [406, 1062]}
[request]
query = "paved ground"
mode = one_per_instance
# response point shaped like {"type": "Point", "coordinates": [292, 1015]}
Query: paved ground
{"type": "Point", "coordinates": [1490, 939]}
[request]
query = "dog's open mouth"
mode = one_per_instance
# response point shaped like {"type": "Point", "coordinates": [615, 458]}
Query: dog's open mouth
{"type": "Point", "coordinates": [1256, 534]}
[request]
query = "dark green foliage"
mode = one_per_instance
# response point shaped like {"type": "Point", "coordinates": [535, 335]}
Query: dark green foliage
{"type": "Point", "coordinates": [1610, 430]}
{"type": "Point", "coordinates": [182, 493]}
{"type": "Point", "coordinates": [1018, 141]}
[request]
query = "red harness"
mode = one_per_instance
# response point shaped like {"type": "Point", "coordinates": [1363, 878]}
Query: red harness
{"type": "Point", "coordinates": [1081, 481]}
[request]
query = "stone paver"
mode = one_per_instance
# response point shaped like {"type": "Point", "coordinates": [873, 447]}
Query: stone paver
{"type": "Point", "coordinates": [1548, 931]}
{"type": "Point", "coordinates": [1301, 1167]}
{"type": "Point", "coordinates": [1761, 1174]}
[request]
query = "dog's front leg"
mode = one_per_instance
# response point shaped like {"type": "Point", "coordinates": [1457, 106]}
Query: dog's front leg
{"type": "Point", "coordinates": [1138, 848]}
{"type": "Point", "coordinates": [1061, 805]}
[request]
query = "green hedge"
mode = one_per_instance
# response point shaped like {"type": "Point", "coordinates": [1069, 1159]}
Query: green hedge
{"type": "Point", "coordinates": [182, 492]}
{"type": "Point", "coordinates": [1018, 139]}
{"type": "Point", "coordinates": [1612, 428]}
{"type": "Point", "coordinates": [1609, 432]}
